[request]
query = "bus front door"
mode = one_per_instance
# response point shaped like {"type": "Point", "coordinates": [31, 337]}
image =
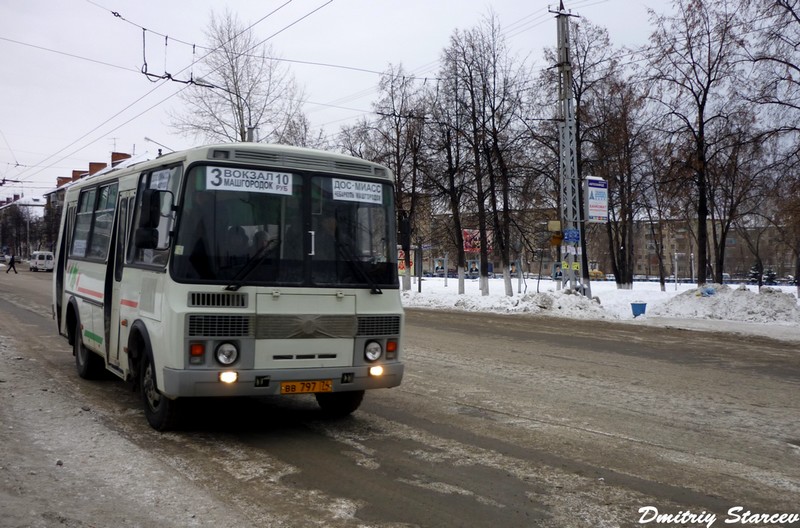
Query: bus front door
{"type": "Point", "coordinates": [112, 309]}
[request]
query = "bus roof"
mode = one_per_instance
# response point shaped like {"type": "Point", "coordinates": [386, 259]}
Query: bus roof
{"type": "Point", "coordinates": [282, 156]}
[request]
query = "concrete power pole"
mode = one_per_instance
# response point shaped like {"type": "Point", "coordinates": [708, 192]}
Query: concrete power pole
{"type": "Point", "coordinates": [568, 163]}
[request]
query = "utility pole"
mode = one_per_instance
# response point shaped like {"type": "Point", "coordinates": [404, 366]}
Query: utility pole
{"type": "Point", "coordinates": [568, 164]}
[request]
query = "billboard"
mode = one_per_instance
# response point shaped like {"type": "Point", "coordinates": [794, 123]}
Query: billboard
{"type": "Point", "coordinates": [596, 193]}
{"type": "Point", "coordinates": [472, 240]}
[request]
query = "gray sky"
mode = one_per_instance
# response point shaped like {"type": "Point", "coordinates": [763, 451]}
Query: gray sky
{"type": "Point", "coordinates": [72, 90]}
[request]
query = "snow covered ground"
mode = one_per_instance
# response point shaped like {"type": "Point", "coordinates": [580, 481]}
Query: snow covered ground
{"type": "Point", "coordinates": [774, 312]}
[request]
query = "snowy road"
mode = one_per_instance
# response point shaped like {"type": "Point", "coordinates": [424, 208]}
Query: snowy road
{"type": "Point", "coordinates": [501, 421]}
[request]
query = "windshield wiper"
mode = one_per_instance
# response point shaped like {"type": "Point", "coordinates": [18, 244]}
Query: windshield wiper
{"type": "Point", "coordinates": [254, 262]}
{"type": "Point", "coordinates": [349, 257]}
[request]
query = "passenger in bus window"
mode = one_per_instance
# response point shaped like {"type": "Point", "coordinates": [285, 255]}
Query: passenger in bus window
{"type": "Point", "coordinates": [325, 239]}
{"type": "Point", "coordinates": [260, 242]}
{"type": "Point", "coordinates": [237, 245]}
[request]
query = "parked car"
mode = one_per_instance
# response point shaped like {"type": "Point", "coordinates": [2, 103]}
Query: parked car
{"type": "Point", "coordinates": [3, 259]}
{"type": "Point", "coordinates": [41, 261]}
{"type": "Point", "coordinates": [596, 275]}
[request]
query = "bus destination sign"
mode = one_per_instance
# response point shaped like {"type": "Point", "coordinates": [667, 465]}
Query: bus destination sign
{"type": "Point", "coordinates": [234, 179]}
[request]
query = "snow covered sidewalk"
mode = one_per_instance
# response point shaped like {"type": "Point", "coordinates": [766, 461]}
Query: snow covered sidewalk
{"type": "Point", "coordinates": [773, 312]}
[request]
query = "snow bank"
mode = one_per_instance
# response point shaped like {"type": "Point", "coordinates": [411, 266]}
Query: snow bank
{"type": "Point", "coordinates": [720, 301]}
{"type": "Point", "coordinates": [712, 303]}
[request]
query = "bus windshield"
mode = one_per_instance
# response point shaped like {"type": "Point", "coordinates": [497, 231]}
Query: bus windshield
{"type": "Point", "coordinates": [272, 228]}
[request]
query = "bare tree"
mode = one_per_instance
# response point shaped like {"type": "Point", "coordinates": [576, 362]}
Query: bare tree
{"type": "Point", "coordinates": [362, 140]}
{"type": "Point", "coordinates": [661, 196]}
{"type": "Point", "coordinates": [788, 216]}
{"type": "Point", "coordinates": [399, 129]}
{"type": "Point", "coordinates": [738, 178]}
{"type": "Point", "coordinates": [241, 88]}
{"type": "Point", "coordinates": [775, 36]}
{"type": "Point", "coordinates": [774, 54]}
{"type": "Point", "coordinates": [448, 158]}
{"type": "Point", "coordinates": [503, 134]}
{"type": "Point", "coordinates": [488, 88]}
{"type": "Point", "coordinates": [693, 62]}
{"type": "Point", "coordinates": [618, 138]}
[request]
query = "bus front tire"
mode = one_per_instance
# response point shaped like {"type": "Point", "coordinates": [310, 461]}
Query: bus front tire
{"type": "Point", "coordinates": [88, 364]}
{"type": "Point", "coordinates": [160, 411]}
{"type": "Point", "coordinates": [339, 404]}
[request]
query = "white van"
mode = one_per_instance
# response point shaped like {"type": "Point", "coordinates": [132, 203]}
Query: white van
{"type": "Point", "coordinates": [41, 261]}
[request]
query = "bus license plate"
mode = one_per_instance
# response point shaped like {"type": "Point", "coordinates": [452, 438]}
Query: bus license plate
{"type": "Point", "coordinates": [305, 387]}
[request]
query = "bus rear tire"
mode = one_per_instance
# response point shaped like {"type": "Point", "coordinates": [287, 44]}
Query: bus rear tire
{"type": "Point", "coordinates": [339, 404]}
{"type": "Point", "coordinates": [160, 411]}
{"type": "Point", "coordinates": [89, 365]}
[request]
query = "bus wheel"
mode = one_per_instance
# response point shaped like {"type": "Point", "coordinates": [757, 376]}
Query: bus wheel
{"type": "Point", "coordinates": [160, 411]}
{"type": "Point", "coordinates": [89, 365]}
{"type": "Point", "coordinates": [339, 404]}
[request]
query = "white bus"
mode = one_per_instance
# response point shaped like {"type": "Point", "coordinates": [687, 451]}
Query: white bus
{"type": "Point", "coordinates": [233, 270]}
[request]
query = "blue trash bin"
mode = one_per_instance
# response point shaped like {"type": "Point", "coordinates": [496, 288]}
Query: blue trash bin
{"type": "Point", "coordinates": [638, 308]}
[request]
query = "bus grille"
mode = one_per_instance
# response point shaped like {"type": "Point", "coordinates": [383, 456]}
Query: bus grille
{"type": "Point", "coordinates": [299, 326]}
{"type": "Point", "coordinates": [220, 326]}
{"type": "Point", "coordinates": [217, 299]}
{"type": "Point", "coordinates": [305, 326]}
{"type": "Point", "coordinates": [379, 325]}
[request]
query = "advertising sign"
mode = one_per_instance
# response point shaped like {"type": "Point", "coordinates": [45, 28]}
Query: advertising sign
{"type": "Point", "coordinates": [596, 193]}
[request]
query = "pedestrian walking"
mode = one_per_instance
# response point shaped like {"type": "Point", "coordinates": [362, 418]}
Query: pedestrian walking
{"type": "Point", "coordinates": [11, 265]}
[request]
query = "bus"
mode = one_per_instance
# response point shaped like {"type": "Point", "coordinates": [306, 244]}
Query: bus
{"type": "Point", "coordinates": [233, 270]}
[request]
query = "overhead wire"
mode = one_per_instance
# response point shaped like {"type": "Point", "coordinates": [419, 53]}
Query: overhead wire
{"type": "Point", "coordinates": [28, 176]}
{"type": "Point", "coordinates": [416, 73]}
{"type": "Point", "coordinates": [520, 26]}
{"type": "Point", "coordinates": [72, 55]}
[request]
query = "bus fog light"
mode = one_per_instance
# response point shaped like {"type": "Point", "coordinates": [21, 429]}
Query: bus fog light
{"type": "Point", "coordinates": [228, 376]}
{"type": "Point", "coordinates": [227, 353]}
{"type": "Point", "coordinates": [373, 351]}
{"type": "Point", "coordinates": [376, 371]}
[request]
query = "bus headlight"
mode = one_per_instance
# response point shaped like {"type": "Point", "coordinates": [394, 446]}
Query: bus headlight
{"type": "Point", "coordinates": [373, 351]}
{"type": "Point", "coordinates": [227, 353]}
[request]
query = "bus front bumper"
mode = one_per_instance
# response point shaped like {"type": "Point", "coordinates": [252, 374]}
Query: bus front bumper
{"type": "Point", "coordinates": [206, 383]}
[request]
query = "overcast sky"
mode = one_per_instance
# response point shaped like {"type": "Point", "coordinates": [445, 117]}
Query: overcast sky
{"type": "Point", "coordinates": [72, 91]}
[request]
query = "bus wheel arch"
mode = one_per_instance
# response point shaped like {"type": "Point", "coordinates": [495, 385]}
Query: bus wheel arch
{"type": "Point", "coordinates": [138, 341]}
{"type": "Point", "coordinates": [72, 318]}
{"type": "Point", "coordinates": [160, 411]}
{"type": "Point", "coordinates": [89, 365]}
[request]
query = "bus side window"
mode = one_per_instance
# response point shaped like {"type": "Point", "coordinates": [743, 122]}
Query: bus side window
{"type": "Point", "coordinates": [156, 251]}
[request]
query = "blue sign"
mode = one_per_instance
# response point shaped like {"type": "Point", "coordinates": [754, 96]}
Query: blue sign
{"type": "Point", "coordinates": [572, 236]}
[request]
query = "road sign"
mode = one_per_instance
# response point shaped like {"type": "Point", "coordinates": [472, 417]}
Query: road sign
{"type": "Point", "coordinates": [572, 236]}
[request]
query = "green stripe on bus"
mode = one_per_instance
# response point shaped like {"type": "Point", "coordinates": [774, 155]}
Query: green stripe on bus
{"type": "Point", "coordinates": [93, 336]}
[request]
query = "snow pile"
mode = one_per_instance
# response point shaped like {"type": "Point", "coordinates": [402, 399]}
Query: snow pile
{"type": "Point", "coordinates": [711, 303]}
{"type": "Point", "coordinates": [773, 312]}
{"type": "Point", "coordinates": [562, 303]}
{"type": "Point", "coordinates": [720, 301]}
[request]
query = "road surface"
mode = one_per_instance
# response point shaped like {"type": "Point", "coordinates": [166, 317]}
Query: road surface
{"type": "Point", "coordinates": [502, 421]}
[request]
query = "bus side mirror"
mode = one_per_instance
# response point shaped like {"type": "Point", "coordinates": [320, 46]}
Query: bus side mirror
{"type": "Point", "coordinates": [146, 238]}
{"type": "Point", "coordinates": [150, 216]}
